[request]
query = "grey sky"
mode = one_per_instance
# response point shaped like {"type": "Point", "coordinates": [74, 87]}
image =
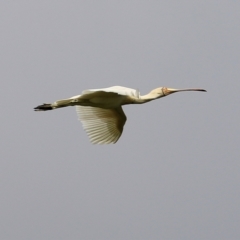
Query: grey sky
{"type": "Point", "coordinates": [174, 173]}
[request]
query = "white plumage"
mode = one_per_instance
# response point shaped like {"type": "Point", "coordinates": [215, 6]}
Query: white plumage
{"type": "Point", "coordinates": [100, 110]}
{"type": "Point", "coordinates": [103, 126]}
{"type": "Point", "coordinates": [116, 89]}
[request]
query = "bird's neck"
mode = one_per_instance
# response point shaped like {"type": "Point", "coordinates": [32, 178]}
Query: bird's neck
{"type": "Point", "coordinates": [147, 98]}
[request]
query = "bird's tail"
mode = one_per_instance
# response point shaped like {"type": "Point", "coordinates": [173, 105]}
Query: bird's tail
{"type": "Point", "coordinates": [43, 107]}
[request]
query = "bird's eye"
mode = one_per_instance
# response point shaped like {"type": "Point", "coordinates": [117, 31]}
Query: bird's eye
{"type": "Point", "coordinates": [164, 91]}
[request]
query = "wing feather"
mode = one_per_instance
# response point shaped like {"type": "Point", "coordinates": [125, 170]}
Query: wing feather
{"type": "Point", "coordinates": [103, 126]}
{"type": "Point", "coordinates": [115, 89]}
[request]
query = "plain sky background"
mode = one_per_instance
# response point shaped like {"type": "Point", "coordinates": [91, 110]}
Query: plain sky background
{"type": "Point", "coordinates": [175, 172]}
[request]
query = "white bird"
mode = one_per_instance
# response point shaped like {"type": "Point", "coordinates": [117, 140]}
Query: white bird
{"type": "Point", "coordinates": [100, 110]}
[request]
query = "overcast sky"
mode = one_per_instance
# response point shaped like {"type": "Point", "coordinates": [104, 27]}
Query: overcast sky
{"type": "Point", "coordinates": [174, 173]}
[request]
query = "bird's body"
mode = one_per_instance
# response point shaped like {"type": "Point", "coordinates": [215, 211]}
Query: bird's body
{"type": "Point", "coordinates": [100, 110]}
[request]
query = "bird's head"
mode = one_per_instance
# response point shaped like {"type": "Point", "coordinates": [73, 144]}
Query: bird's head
{"type": "Point", "coordinates": [164, 91]}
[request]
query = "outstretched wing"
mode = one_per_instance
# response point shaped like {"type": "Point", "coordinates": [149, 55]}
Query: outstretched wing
{"type": "Point", "coordinates": [103, 126]}
{"type": "Point", "coordinates": [116, 89]}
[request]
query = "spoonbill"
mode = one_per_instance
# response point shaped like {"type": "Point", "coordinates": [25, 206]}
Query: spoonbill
{"type": "Point", "coordinates": [100, 110]}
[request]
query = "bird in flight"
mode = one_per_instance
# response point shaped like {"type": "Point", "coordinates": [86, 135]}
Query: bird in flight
{"type": "Point", "coordinates": [100, 110]}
